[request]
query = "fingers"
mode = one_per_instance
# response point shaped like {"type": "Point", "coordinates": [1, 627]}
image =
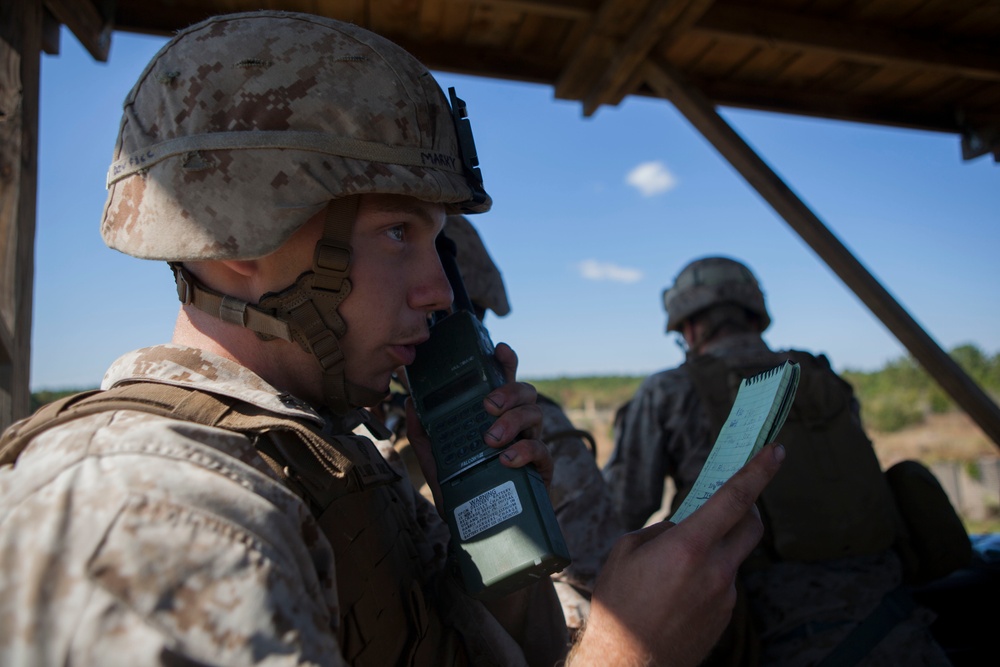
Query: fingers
{"type": "Point", "coordinates": [513, 404]}
{"type": "Point", "coordinates": [735, 499]}
{"type": "Point", "coordinates": [508, 360]}
{"type": "Point", "coordinates": [524, 452]}
{"type": "Point", "coordinates": [518, 416]}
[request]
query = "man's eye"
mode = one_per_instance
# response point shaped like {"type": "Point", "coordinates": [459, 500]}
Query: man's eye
{"type": "Point", "coordinates": [396, 233]}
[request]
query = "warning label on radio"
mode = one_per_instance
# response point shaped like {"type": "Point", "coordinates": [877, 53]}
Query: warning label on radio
{"type": "Point", "coordinates": [487, 510]}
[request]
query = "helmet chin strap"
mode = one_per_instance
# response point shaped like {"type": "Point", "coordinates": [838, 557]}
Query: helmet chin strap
{"type": "Point", "coordinates": [306, 312]}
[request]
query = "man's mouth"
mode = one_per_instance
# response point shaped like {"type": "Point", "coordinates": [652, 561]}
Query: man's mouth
{"type": "Point", "coordinates": [406, 352]}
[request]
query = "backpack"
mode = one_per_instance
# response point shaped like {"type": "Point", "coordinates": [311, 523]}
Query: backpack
{"type": "Point", "coordinates": [830, 498]}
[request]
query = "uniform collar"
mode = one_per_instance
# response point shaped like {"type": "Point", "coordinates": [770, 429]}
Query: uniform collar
{"type": "Point", "coordinates": [192, 367]}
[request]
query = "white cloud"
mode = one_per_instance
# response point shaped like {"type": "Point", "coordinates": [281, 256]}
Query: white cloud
{"type": "Point", "coordinates": [591, 269]}
{"type": "Point", "coordinates": [651, 178]}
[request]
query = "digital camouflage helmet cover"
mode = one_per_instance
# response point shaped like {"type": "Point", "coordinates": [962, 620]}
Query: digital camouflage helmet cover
{"type": "Point", "coordinates": [244, 126]}
{"type": "Point", "coordinates": [480, 274]}
{"type": "Point", "coordinates": [710, 282]}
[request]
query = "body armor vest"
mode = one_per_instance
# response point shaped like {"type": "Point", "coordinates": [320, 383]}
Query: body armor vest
{"type": "Point", "coordinates": [388, 616]}
{"type": "Point", "coordinates": [830, 499]}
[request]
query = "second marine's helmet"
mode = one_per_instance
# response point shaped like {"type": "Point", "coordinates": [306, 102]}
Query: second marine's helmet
{"type": "Point", "coordinates": [713, 281]}
{"type": "Point", "coordinates": [480, 274]}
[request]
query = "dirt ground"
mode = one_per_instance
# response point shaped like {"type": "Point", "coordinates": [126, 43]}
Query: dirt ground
{"type": "Point", "coordinates": [946, 437]}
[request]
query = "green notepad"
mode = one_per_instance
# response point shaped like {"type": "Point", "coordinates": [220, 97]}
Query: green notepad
{"type": "Point", "coordinates": [761, 405]}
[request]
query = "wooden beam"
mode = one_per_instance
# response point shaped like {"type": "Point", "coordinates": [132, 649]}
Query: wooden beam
{"type": "Point", "coordinates": [662, 23]}
{"type": "Point", "coordinates": [851, 40]}
{"type": "Point", "coordinates": [563, 9]}
{"type": "Point", "coordinates": [607, 27]}
{"type": "Point", "coordinates": [702, 114]}
{"type": "Point", "coordinates": [854, 108]}
{"type": "Point", "coordinates": [86, 23]}
{"type": "Point", "coordinates": [501, 63]}
{"type": "Point", "coordinates": [20, 68]}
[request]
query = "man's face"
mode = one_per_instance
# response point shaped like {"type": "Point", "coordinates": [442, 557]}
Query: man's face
{"type": "Point", "coordinates": [396, 281]}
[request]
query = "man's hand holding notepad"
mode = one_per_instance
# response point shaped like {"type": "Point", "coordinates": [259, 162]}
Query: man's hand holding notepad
{"type": "Point", "coordinates": [761, 406]}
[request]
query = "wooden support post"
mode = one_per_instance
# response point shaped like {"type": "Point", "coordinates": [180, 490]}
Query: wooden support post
{"type": "Point", "coordinates": [20, 54]}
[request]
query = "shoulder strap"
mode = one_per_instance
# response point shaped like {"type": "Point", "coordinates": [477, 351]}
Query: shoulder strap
{"type": "Point", "coordinates": [586, 436]}
{"type": "Point", "coordinates": [172, 402]}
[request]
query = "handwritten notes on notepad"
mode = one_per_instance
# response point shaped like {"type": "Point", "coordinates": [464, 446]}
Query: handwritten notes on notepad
{"type": "Point", "coordinates": [762, 403]}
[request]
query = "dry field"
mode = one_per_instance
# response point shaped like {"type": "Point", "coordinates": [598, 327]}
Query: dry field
{"type": "Point", "coordinates": [951, 436]}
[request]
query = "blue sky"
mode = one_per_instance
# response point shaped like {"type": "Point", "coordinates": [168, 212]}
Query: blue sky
{"type": "Point", "coordinates": [593, 217]}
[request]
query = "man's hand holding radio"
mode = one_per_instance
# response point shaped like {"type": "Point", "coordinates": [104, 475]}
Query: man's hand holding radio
{"type": "Point", "coordinates": [513, 404]}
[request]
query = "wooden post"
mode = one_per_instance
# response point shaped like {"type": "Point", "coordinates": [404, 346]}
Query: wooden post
{"type": "Point", "coordinates": [20, 65]}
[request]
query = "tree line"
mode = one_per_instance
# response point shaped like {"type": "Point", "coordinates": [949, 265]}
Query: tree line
{"type": "Point", "coordinates": [898, 395]}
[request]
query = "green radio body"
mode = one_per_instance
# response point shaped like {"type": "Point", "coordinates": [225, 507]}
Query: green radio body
{"type": "Point", "coordinates": [503, 528]}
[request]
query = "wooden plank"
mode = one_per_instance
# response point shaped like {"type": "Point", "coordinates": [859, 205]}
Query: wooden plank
{"type": "Point", "coordinates": [432, 13]}
{"type": "Point", "coordinates": [86, 23]}
{"type": "Point", "coordinates": [493, 25]}
{"type": "Point", "coordinates": [982, 21]}
{"type": "Point", "coordinates": [456, 22]}
{"type": "Point", "coordinates": [544, 36]}
{"type": "Point", "coordinates": [20, 66]}
{"type": "Point", "coordinates": [702, 114]}
{"type": "Point", "coordinates": [766, 64]}
{"type": "Point", "coordinates": [565, 9]}
{"type": "Point", "coordinates": [352, 11]}
{"type": "Point", "coordinates": [853, 40]}
{"type": "Point", "coordinates": [393, 17]}
{"type": "Point", "coordinates": [823, 104]}
{"type": "Point", "coordinates": [663, 22]}
{"type": "Point", "coordinates": [611, 23]}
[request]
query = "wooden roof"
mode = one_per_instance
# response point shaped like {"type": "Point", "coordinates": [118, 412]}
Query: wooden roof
{"type": "Point", "coordinates": [924, 64]}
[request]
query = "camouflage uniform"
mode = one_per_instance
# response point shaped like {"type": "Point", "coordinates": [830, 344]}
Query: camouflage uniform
{"type": "Point", "coordinates": [583, 508]}
{"type": "Point", "coordinates": [800, 610]}
{"type": "Point", "coordinates": [128, 538]}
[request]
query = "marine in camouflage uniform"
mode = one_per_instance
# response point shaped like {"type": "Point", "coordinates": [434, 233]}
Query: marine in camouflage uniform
{"type": "Point", "coordinates": [800, 607]}
{"type": "Point", "coordinates": [257, 529]}
{"type": "Point", "coordinates": [578, 492]}
{"type": "Point", "coordinates": [212, 504]}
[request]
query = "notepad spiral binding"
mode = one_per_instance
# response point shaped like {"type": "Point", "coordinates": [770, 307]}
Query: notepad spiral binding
{"type": "Point", "coordinates": [764, 374]}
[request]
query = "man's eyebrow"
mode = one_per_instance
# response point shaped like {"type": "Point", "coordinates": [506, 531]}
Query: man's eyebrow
{"type": "Point", "coordinates": [403, 207]}
{"type": "Point", "coordinates": [400, 207]}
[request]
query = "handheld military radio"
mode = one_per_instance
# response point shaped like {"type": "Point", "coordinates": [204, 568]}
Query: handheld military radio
{"type": "Point", "coordinates": [503, 528]}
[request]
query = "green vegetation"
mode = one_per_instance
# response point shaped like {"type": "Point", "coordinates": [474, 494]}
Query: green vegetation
{"type": "Point", "coordinates": [40, 398]}
{"type": "Point", "coordinates": [903, 394]}
{"type": "Point", "coordinates": [604, 392]}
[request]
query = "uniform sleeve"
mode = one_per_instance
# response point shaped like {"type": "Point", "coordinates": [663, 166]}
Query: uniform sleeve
{"type": "Point", "coordinates": [583, 508]}
{"type": "Point", "coordinates": [636, 471]}
{"type": "Point", "coordinates": [157, 551]}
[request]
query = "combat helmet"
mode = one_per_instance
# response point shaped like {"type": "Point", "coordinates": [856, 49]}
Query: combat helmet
{"type": "Point", "coordinates": [480, 274]}
{"type": "Point", "coordinates": [244, 126]}
{"type": "Point", "coordinates": [713, 281]}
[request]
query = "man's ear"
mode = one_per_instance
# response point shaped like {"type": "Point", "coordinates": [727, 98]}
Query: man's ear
{"type": "Point", "coordinates": [687, 330]}
{"type": "Point", "coordinates": [234, 277]}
